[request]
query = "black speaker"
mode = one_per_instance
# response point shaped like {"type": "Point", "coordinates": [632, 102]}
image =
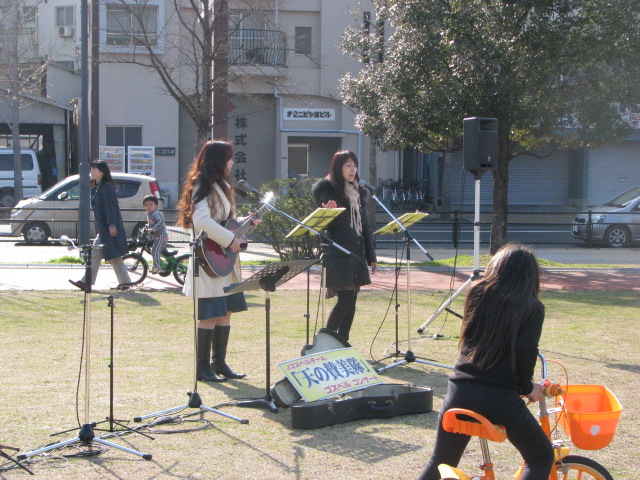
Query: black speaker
{"type": "Point", "coordinates": [480, 144]}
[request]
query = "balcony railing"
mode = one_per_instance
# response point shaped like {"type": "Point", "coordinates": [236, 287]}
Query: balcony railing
{"type": "Point", "coordinates": [249, 46]}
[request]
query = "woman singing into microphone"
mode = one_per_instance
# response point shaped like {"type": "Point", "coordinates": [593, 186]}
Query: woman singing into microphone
{"type": "Point", "coordinates": [350, 230]}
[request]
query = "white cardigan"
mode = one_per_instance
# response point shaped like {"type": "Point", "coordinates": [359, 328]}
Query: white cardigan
{"type": "Point", "coordinates": [205, 220]}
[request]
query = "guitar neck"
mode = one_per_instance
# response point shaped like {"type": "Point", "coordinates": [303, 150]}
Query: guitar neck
{"type": "Point", "coordinates": [246, 225]}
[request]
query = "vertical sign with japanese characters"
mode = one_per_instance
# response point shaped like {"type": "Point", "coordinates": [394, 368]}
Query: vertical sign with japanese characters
{"type": "Point", "coordinates": [240, 142]}
{"type": "Point", "coordinates": [329, 373]}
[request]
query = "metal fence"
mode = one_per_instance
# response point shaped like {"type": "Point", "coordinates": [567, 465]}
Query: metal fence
{"type": "Point", "coordinates": [455, 229]}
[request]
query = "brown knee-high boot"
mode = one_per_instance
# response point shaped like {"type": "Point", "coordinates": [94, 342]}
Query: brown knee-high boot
{"type": "Point", "coordinates": [220, 342]}
{"type": "Point", "coordinates": [204, 371]}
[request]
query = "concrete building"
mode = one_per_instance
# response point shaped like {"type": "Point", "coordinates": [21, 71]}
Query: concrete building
{"type": "Point", "coordinates": [285, 116]}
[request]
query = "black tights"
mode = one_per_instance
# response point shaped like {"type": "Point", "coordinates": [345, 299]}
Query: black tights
{"type": "Point", "coordinates": [501, 406]}
{"type": "Point", "coordinates": [341, 317]}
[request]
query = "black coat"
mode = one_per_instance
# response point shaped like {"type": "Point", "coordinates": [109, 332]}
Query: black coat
{"type": "Point", "coordinates": [342, 269]}
{"type": "Point", "coordinates": [106, 211]}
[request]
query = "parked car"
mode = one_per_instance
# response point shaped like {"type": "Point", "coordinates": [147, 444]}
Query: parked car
{"type": "Point", "coordinates": [31, 177]}
{"type": "Point", "coordinates": [55, 212]}
{"type": "Point", "coordinates": [616, 223]}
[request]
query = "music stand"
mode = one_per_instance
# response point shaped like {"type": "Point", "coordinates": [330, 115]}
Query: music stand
{"type": "Point", "coordinates": [268, 279]}
{"type": "Point", "coordinates": [394, 227]}
{"type": "Point", "coordinates": [319, 219]}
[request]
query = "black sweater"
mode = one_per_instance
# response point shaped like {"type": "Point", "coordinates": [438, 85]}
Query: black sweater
{"type": "Point", "coordinates": [500, 374]}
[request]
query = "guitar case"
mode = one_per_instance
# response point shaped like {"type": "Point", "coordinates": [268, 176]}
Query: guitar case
{"type": "Point", "coordinates": [377, 401]}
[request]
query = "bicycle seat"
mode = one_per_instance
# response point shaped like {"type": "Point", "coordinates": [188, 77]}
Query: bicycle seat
{"type": "Point", "coordinates": [451, 473]}
{"type": "Point", "coordinates": [467, 422]}
{"type": "Point", "coordinates": [169, 253]}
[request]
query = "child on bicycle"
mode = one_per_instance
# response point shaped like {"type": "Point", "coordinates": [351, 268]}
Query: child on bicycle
{"type": "Point", "coordinates": [156, 229]}
{"type": "Point", "coordinates": [498, 346]}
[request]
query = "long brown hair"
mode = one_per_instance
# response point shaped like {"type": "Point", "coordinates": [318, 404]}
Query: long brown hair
{"type": "Point", "coordinates": [208, 167]}
{"type": "Point", "coordinates": [497, 305]}
{"type": "Point", "coordinates": [335, 174]}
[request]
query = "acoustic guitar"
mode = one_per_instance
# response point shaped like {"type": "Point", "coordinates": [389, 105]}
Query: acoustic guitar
{"type": "Point", "coordinates": [216, 260]}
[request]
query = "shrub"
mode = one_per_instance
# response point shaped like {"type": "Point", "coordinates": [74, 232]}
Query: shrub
{"type": "Point", "coordinates": [292, 197]}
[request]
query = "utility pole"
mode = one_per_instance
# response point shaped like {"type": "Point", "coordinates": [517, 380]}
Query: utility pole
{"type": "Point", "coordinates": [84, 169]}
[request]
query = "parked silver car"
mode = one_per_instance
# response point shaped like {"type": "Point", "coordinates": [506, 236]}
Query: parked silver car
{"type": "Point", "coordinates": [616, 223]}
{"type": "Point", "coordinates": [55, 212]}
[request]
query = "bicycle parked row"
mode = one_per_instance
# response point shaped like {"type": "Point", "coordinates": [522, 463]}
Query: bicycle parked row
{"type": "Point", "coordinates": [399, 195]}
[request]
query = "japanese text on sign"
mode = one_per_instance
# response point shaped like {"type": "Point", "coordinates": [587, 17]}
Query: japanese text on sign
{"type": "Point", "coordinates": [329, 373]}
{"type": "Point", "coordinates": [290, 113]}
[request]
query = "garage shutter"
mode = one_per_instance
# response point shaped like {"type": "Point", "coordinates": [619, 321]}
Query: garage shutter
{"type": "Point", "coordinates": [612, 170]}
{"type": "Point", "coordinates": [527, 174]}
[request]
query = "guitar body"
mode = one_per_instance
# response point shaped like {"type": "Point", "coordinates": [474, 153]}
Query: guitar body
{"type": "Point", "coordinates": [216, 261]}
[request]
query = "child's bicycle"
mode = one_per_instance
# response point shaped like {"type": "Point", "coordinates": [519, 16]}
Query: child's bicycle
{"type": "Point", "coordinates": [588, 413]}
{"type": "Point", "coordinates": [138, 266]}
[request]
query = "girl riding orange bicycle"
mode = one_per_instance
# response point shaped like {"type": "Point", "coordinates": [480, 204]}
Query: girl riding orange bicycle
{"type": "Point", "coordinates": [501, 328]}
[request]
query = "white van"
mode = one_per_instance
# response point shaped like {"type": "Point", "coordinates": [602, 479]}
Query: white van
{"type": "Point", "coordinates": [31, 177]}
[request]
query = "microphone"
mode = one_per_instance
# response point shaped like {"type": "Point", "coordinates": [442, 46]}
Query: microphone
{"type": "Point", "coordinates": [246, 195]}
{"type": "Point", "coordinates": [245, 185]}
{"type": "Point", "coordinates": [364, 184]}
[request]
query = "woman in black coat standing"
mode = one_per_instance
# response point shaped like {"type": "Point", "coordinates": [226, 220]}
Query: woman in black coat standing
{"type": "Point", "coordinates": [111, 241]}
{"type": "Point", "coordinates": [345, 274]}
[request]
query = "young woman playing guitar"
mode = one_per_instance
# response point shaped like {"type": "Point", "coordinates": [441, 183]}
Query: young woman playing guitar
{"type": "Point", "coordinates": [207, 201]}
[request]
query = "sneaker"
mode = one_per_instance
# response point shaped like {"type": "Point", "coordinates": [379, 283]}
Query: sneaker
{"type": "Point", "coordinates": [124, 286]}
{"type": "Point", "coordinates": [154, 270]}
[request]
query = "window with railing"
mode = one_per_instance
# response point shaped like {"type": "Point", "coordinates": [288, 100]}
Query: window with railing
{"type": "Point", "coordinates": [252, 42]}
{"type": "Point", "coordinates": [249, 46]}
{"type": "Point", "coordinates": [131, 25]}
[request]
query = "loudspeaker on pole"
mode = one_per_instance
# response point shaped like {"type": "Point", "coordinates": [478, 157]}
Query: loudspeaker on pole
{"type": "Point", "coordinates": [480, 144]}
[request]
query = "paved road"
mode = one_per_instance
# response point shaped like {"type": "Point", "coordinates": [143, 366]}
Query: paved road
{"type": "Point", "coordinates": [21, 268]}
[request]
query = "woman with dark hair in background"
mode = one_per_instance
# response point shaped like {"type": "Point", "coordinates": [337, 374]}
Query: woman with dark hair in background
{"type": "Point", "coordinates": [345, 275]}
{"type": "Point", "coordinates": [498, 344]}
{"type": "Point", "coordinates": [207, 201]}
{"type": "Point", "coordinates": [111, 241]}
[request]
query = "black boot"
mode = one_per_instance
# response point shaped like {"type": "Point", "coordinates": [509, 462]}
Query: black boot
{"type": "Point", "coordinates": [220, 341]}
{"type": "Point", "coordinates": [204, 371]}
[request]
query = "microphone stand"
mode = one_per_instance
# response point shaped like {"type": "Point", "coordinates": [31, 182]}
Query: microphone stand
{"type": "Point", "coordinates": [86, 435]}
{"type": "Point", "coordinates": [195, 401]}
{"type": "Point", "coordinates": [408, 356]}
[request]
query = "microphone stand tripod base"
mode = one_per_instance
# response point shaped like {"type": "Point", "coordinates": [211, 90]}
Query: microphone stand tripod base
{"type": "Point", "coordinates": [266, 403]}
{"type": "Point", "coordinates": [86, 436]}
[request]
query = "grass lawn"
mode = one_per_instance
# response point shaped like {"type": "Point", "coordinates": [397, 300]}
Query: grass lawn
{"type": "Point", "coordinates": [590, 333]}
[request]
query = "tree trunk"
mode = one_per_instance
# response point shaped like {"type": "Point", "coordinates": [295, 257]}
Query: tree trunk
{"type": "Point", "coordinates": [220, 67]}
{"type": "Point", "coordinates": [499, 218]}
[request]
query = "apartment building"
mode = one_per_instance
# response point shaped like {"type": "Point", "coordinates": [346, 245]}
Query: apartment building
{"type": "Point", "coordinates": [285, 116]}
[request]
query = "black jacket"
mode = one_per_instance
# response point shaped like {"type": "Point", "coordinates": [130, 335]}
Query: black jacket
{"type": "Point", "coordinates": [342, 268]}
{"type": "Point", "coordinates": [106, 211]}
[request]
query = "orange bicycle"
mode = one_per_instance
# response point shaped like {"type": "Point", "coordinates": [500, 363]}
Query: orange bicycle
{"type": "Point", "coordinates": [587, 413]}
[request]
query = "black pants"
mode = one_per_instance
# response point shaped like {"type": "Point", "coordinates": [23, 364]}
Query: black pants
{"type": "Point", "coordinates": [503, 407]}
{"type": "Point", "coordinates": [341, 317]}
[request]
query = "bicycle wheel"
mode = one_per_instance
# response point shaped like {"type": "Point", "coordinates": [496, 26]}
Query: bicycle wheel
{"type": "Point", "coordinates": [180, 268]}
{"type": "Point", "coordinates": [575, 467]}
{"type": "Point", "coordinates": [137, 267]}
